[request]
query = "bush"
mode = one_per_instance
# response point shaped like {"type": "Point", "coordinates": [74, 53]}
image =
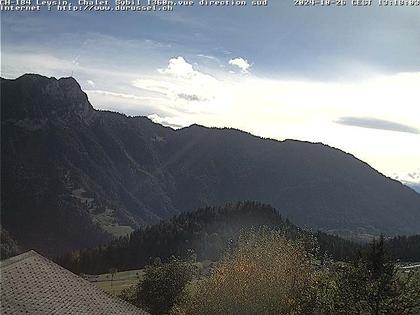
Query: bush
{"type": "Point", "coordinates": [163, 285]}
{"type": "Point", "coordinates": [265, 274]}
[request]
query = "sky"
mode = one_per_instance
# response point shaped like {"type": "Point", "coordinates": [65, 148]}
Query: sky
{"type": "Point", "coordinates": [347, 76]}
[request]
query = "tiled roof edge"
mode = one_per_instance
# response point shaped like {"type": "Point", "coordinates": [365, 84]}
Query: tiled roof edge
{"type": "Point", "coordinates": [15, 259]}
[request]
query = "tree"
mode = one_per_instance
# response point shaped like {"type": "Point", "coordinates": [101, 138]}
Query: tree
{"type": "Point", "coordinates": [373, 285]}
{"type": "Point", "coordinates": [264, 274]}
{"type": "Point", "coordinates": [112, 272]}
{"type": "Point", "coordinates": [163, 285]}
{"type": "Point", "coordinates": [8, 245]}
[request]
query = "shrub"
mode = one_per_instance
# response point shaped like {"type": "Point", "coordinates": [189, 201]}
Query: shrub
{"type": "Point", "coordinates": [264, 274]}
{"type": "Point", "coordinates": [163, 285]}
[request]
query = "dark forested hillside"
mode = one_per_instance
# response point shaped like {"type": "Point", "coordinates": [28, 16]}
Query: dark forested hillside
{"type": "Point", "coordinates": [206, 233]}
{"type": "Point", "coordinates": [8, 246]}
{"type": "Point", "coordinates": [405, 248]}
{"type": "Point", "coordinates": [73, 176]}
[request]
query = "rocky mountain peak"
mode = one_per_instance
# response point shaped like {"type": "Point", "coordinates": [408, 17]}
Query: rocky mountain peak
{"type": "Point", "coordinates": [39, 97]}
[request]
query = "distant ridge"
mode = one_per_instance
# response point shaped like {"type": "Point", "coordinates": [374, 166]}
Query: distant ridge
{"type": "Point", "coordinates": [72, 176]}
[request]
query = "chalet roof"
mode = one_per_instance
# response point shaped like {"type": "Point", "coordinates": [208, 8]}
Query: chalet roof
{"type": "Point", "coordinates": [32, 284]}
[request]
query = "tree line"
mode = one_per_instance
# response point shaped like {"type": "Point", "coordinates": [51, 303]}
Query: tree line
{"type": "Point", "coordinates": [207, 233]}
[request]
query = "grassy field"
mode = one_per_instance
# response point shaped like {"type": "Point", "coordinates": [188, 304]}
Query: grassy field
{"type": "Point", "coordinates": [105, 218]}
{"type": "Point", "coordinates": [126, 279]}
{"type": "Point", "coordinates": [121, 280]}
{"type": "Point", "coordinates": [107, 221]}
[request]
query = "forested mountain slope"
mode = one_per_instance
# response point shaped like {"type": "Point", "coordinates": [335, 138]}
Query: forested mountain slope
{"type": "Point", "coordinates": [206, 233]}
{"type": "Point", "coordinates": [72, 176]}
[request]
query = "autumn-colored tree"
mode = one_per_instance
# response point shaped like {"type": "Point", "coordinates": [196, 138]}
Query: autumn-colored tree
{"type": "Point", "coordinates": [265, 274]}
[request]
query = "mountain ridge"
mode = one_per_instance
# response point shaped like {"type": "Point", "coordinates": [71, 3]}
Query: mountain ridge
{"type": "Point", "coordinates": [66, 162]}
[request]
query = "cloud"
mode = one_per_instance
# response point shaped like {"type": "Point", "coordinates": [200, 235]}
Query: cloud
{"type": "Point", "coordinates": [241, 63]}
{"type": "Point", "coordinates": [179, 67]}
{"type": "Point", "coordinates": [126, 103]}
{"type": "Point", "coordinates": [122, 95]}
{"type": "Point", "coordinates": [155, 86]}
{"type": "Point", "coordinates": [45, 64]}
{"type": "Point", "coordinates": [180, 82]}
{"type": "Point", "coordinates": [208, 57]}
{"type": "Point", "coordinates": [90, 83]}
{"type": "Point", "coordinates": [173, 122]}
{"type": "Point", "coordinates": [410, 177]}
{"type": "Point", "coordinates": [374, 123]}
{"type": "Point", "coordinates": [191, 97]}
